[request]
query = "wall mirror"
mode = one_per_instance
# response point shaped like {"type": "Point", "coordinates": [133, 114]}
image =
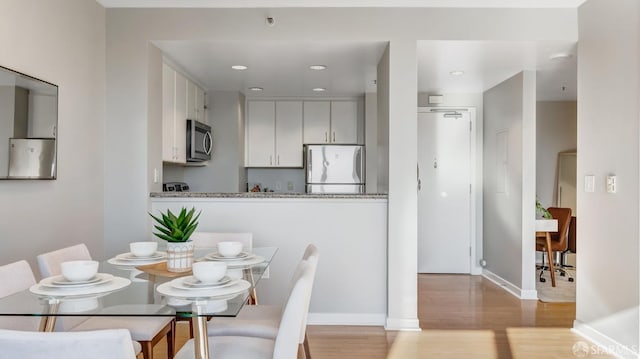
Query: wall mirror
{"type": "Point", "coordinates": [566, 180]}
{"type": "Point", "coordinates": [28, 126]}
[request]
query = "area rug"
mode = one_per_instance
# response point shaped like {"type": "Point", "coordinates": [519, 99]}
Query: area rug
{"type": "Point", "coordinates": [563, 292]}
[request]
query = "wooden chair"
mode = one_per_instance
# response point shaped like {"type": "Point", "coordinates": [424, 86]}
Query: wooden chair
{"type": "Point", "coordinates": [559, 242]}
{"type": "Point", "coordinates": [148, 331]}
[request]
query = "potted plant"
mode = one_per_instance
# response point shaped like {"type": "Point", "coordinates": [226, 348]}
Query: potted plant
{"type": "Point", "coordinates": [541, 211]}
{"type": "Point", "coordinates": [176, 230]}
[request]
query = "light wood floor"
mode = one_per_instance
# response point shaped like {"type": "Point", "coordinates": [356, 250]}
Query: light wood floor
{"type": "Point", "coordinates": [453, 303]}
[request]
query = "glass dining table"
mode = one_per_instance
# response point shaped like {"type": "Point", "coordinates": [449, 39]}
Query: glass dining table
{"type": "Point", "coordinates": [123, 290]}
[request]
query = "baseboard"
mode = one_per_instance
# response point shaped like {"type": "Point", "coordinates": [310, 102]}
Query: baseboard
{"type": "Point", "coordinates": [510, 287]}
{"type": "Point", "coordinates": [603, 343]}
{"type": "Point", "coordinates": [403, 324]}
{"type": "Point", "coordinates": [371, 319]}
{"type": "Point", "coordinates": [476, 270]}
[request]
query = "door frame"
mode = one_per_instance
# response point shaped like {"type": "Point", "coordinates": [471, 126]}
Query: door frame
{"type": "Point", "coordinates": [475, 176]}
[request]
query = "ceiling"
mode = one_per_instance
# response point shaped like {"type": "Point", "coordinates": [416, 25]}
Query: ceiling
{"type": "Point", "coordinates": [340, 3]}
{"type": "Point", "coordinates": [282, 68]}
{"type": "Point", "coordinates": [487, 63]}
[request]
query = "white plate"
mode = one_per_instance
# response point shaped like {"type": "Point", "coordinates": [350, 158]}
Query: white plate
{"type": "Point", "coordinates": [244, 263]}
{"type": "Point", "coordinates": [130, 257]}
{"type": "Point", "coordinates": [191, 282]}
{"type": "Point", "coordinates": [59, 282]}
{"type": "Point", "coordinates": [114, 284]}
{"type": "Point", "coordinates": [125, 264]}
{"type": "Point", "coordinates": [64, 281]}
{"type": "Point", "coordinates": [219, 257]}
{"type": "Point", "coordinates": [214, 293]}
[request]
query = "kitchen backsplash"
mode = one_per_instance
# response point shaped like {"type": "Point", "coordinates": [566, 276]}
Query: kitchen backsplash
{"type": "Point", "coordinates": [276, 180]}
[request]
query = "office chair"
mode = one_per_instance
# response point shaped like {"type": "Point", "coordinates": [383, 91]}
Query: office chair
{"type": "Point", "coordinates": [559, 241]}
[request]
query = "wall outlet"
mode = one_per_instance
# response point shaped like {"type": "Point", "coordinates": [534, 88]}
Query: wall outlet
{"type": "Point", "coordinates": [265, 275]}
{"type": "Point", "coordinates": [612, 184]}
{"type": "Point", "coordinates": [290, 186]}
{"type": "Point", "coordinates": [278, 185]}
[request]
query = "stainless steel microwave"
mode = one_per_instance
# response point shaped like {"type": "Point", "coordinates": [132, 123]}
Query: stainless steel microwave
{"type": "Point", "coordinates": [199, 141]}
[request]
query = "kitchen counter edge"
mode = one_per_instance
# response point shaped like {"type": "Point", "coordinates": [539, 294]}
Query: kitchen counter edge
{"type": "Point", "coordinates": [257, 195]}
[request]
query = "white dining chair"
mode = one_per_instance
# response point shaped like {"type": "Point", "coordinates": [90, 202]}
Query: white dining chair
{"type": "Point", "coordinates": [102, 344]}
{"type": "Point", "coordinates": [16, 277]}
{"type": "Point", "coordinates": [285, 344]}
{"type": "Point", "coordinates": [262, 321]}
{"type": "Point", "coordinates": [146, 330]}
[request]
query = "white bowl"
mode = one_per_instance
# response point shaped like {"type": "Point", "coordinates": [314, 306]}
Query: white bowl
{"type": "Point", "coordinates": [229, 249]}
{"type": "Point", "coordinates": [209, 272]}
{"type": "Point", "coordinates": [77, 271]}
{"type": "Point", "coordinates": [143, 249]}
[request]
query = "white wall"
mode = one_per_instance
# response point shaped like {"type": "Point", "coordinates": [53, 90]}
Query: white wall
{"type": "Point", "coordinates": [223, 172]}
{"type": "Point", "coordinates": [509, 182]}
{"type": "Point", "coordinates": [7, 104]}
{"type": "Point", "coordinates": [62, 42]}
{"type": "Point", "coordinates": [371, 141]}
{"type": "Point", "coordinates": [555, 132]}
{"type": "Point", "coordinates": [350, 285]}
{"type": "Point", "coordinates": [382, 130]}
{"type": "Point", "coordinates": [130, 30]}
{"type": "Point", "coordinates": [608, 143]}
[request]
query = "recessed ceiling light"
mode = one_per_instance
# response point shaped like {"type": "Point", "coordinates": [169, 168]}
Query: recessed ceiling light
{"type": "Point", "coordinates": [456, 73]}
{"type": "Point", "coordinates": [239, 67]}
{"type": "Point", "coordinates": [319, 89]}
{"type": "Point", "coordinates": [318, 67]}
{"type": "Point", "coordinates": [255, 88]}
{"type": "Point", "coordinates": [560, 56]}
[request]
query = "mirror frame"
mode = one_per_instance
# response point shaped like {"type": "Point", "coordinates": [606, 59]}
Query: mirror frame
{"type": "Point", "coordinates": [51, 108]}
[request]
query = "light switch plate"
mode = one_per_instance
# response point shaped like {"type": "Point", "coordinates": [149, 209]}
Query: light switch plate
{"type": "Point", "coordinates": [612, 183]}
{"type": "Point", "coordinates": [590, 183]}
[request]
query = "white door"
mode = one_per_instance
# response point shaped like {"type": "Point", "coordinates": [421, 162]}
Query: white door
{"type": "Point", "coordinates": [444, 199]}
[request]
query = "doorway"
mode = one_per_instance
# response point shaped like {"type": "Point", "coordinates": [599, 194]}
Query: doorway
{"type": "Point", "coordinates": [445, 202]}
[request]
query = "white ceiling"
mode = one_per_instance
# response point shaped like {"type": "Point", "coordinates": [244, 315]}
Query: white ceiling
{"type": "Point", "coordinates": [341, 3]}
{"type": "Point", "coordinates": [281, 68]}
{"type": "Point", "coordinates": [487, 63]}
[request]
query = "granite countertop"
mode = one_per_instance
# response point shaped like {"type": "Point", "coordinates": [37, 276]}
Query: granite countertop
{"type": "Point", "coordinates": [267, 195]}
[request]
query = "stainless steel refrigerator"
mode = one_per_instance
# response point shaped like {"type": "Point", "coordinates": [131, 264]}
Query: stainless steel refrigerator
{"type": "Point", "coordinates": [32, 158]}
{"type": "Point", "coordinates": [334, 168]}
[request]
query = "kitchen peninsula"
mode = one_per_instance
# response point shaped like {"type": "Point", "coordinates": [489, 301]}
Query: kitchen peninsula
{"type": "Point", "coordinates": [350, 231]}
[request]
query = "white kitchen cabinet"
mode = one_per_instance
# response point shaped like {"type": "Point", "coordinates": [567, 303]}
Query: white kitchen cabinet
{"type": "Point", "coordinates": [195, 102]}
{"type": "Point", "coordinates": [274, 134]}
{"type": "Point", "coordinates": [174, 116]}
{"type": "Point", "coordinates": [344, 122]}
{"type": "Point", "coordinates": [260, 141]}
{"type": "Point", "coordinates": [288, 134]}
{"type": "Point", "coordinates": [331, 122]}
{"type": "Point", "coordinates": [317, 121]}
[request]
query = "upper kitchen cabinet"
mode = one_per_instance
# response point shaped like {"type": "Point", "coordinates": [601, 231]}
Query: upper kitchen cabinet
{"type": "Point", "coordinates": [174, 116]}
{"type": "Point", "coordinates": [182, 99]}
{"type": "Point", "coordinates": [195, 102]}
{"type": "Point", "coordinates": [274, 134]}
{"type": "Point", "coordinates": [331, 122]}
